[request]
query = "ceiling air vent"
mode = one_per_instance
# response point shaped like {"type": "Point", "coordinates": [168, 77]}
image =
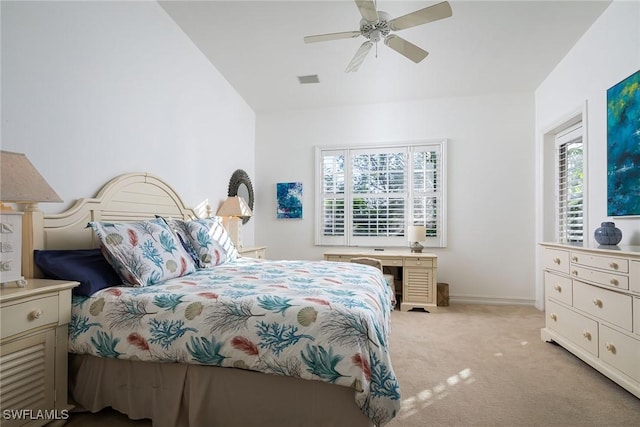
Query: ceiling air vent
{"type": "Point", "coordinates": [313, 78]}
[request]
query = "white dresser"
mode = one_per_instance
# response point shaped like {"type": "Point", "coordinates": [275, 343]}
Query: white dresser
{"type": "Point", "coordinates": [417, 273]}
{"type": "Point", "coordinates": [592, 307]}
{"type": "Point", "coordinates": [33, 352]}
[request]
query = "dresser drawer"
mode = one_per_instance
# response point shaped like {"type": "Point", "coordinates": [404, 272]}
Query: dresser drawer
{"type": "Point", "coordinates": [577, 328]}
{"type": "Point", "coordinates": [634, 276]}
{"type": "Point", "coordinates": [556, 259]}
{"type": "Point", "coordinates": [620, 265]}
{"type": "Point", "coordinates": [29, 314]}
{"type": "Point", "coordinates": [418, 262]}
{"type": "Point", "coordinates": [558, 287]}
{"type": "Point", "coordinates": [636, 316]}
{"type": "Point", "coordinates": [607, 305]}
{"type": "Point", "coordinates": [620, 351]}
{"type": "Point", "coordinates": [611, 280]}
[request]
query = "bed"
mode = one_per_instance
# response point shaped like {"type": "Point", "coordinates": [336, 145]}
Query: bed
{"type": "Point", "coordinates": [247, 342]}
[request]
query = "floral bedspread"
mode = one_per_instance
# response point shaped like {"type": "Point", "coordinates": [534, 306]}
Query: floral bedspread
{"type": "Point", "coordinates": [316, 320]}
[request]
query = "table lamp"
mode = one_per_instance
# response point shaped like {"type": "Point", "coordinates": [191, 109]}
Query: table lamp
{"type": "Point", "coordinates": [416, 234]}
{"type": "Point", "coordinates": [233, 210]}
{"type": "Point", "coordinates": [22, 184]}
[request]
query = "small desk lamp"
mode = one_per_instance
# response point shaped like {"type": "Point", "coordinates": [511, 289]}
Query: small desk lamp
{"type": "Point", "coordinates": [416, 234]}
{"type": "Point", "coordinates": [20, 183]}
{"type": "Point", "coordinates": [234, 209]}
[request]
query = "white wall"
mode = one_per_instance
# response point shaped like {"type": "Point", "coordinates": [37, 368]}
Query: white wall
{"type": "Point", "coordinates": [91, 90]}
{"type": "Point", "coordinates": [607, 53]}
{"type": "Point", "coordinates": [490, 253]}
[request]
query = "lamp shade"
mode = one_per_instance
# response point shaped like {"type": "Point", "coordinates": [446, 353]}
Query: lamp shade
{"type": "Point", "coordinates": [235, 206]}
{"type": "Point", "coordinates": [20, 182]}
{"type": "Point", "coordinates": [417, 233]}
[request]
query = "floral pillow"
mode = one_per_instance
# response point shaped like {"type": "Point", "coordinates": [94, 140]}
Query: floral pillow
{"type": "Point", "coordinates": [207, 239]}
{"type": "Point", "coordinates": [143, 252]}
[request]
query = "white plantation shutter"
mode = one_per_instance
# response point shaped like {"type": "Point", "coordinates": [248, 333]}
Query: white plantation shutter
{"type": "Point", "coordinates": [570, 185]}
{"type": "Point", "coordinates": [369, 196]}
{"type": "Point", "coordinates": [428, 196]}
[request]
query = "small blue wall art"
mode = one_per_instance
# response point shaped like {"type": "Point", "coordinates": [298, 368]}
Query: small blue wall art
{"type": "Point", "coordinates": [289, 196]}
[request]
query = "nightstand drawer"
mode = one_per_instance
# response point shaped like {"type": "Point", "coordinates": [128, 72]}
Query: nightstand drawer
{"type": "Point", "coordinates": [29, 314]}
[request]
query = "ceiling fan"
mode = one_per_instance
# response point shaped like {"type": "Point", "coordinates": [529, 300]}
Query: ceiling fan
{"type": "Point", "coordinates": [376, 25]}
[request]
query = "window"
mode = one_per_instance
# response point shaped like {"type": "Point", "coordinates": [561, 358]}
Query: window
{"type": "Point", "coordinates": [369, 196]}
{"type": "Point", "coordinates": [570, 185]}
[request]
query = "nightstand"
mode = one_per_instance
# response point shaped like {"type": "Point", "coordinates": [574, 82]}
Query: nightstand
{"type": "Point", "coordinates": [33, 352]}
{"type": "Point", "coordinates": [259, 252]}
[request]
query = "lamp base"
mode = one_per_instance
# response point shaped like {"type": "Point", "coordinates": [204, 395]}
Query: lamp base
{"type": "Point", "coordinates": [416, 248]}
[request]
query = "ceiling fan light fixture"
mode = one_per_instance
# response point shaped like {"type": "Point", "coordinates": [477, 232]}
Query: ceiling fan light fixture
{"type": "Point", "coordinates": [377, 25]}
{"type": "Point", "coordinates": [309, 79]}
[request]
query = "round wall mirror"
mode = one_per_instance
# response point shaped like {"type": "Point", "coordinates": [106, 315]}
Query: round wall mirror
{"type": "Point", "coordinates": [240, 185]}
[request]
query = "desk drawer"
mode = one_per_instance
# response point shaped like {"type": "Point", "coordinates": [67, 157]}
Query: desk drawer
{"type": "Point", "coordinates": [28, 315]}
{"type": "Point", "coordinates": [610, 306]}
{"type": "Point", "coordinates": [390, 261]}
{"type": "Point", "coordinates": [418, 262]}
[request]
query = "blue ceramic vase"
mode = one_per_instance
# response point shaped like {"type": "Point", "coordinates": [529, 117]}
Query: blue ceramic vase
{"type": "Point", "coordinates": [608, 234]}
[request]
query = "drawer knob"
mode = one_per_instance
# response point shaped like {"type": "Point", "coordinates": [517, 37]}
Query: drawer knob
{"type": "Point", "coordinates": [613, 265]}
{"type": "Point", "coordinates": [610, 347]}
{"type": "Point", "coordinates": [614, 282]}
{"type": "Point", "coordinates": [35, 314]}
{"type": "Point", "coordinates": [574, 258]}
{"type": "Point", "coordinates": [553, 317]}
{"type": "Point", "coordinates": [574, 272]}
{"type": "Point", "coordinates": [558, 288]}
{"type": "Point", "coordinates": [597, 302]}
{"type": "Point", "coordinates": [587, 335]}
{"type": "Point", "coordinates": [556, 261]}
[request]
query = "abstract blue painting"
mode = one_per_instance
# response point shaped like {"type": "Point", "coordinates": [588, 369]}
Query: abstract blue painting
{"type": "Point", "coordinates": [623, 147]}
{"type": "Point", "coordinates": [289, 200]}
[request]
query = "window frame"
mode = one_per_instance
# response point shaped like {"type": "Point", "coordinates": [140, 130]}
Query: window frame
{"type": "Point", "coordinates": [563, 138]}
{"type": "Point", "coordinates": [348, 239]}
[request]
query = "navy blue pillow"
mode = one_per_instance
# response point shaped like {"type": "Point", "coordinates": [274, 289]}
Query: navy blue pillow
{"type": "Point", "coordinates": [87, 266]}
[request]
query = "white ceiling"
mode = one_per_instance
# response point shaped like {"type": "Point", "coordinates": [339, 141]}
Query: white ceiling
{"type": "Point", "coordinates": [485, 47]}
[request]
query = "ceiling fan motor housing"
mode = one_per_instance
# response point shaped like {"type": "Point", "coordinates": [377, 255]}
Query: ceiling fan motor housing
{"type": "Point", "coordinates": [374, 31]}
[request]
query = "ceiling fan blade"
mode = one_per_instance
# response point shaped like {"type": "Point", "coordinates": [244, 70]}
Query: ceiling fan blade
{"type": "Point", "coordinates": [332, 36]}
{"type": "Point", "coordinates": [359, 57]}
{"type": "Point", "coordinates": [406, 48]}
{"type": "Point", "coordinates": [422, 16]}
{"type": "Point", "coordinates": [368, 10]}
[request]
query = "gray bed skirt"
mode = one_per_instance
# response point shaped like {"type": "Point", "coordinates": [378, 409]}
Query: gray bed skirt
{"type": "Point", "coordinates": [173, 395]}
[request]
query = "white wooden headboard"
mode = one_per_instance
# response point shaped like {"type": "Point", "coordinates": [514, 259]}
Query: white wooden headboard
{"type": "Point", "coordinates": [127, 197]}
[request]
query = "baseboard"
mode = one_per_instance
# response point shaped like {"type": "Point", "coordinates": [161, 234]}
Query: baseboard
{"type": "Point", "coordinates": [491, 301]}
